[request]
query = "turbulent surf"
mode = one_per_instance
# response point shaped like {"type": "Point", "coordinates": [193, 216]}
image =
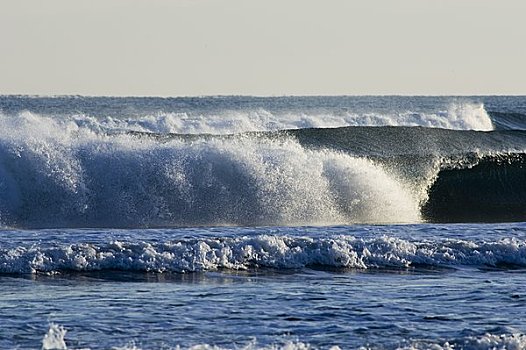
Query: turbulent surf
{"type": "Point", "coordinates": [231, 162]}
{"type": "Point", "coordinates": [262, 223]}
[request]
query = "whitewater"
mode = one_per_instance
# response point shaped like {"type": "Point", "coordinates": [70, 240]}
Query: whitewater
{"type": "Point", "coordinates": [232, 222]}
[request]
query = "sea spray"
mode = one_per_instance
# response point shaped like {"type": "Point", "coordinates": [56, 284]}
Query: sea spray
{"type": "Point", "coordinates": [196, 116]}
{"type": "Point", "coordinates": [57, 175]}
{"type": "Point", "coordinates": [54, 338]}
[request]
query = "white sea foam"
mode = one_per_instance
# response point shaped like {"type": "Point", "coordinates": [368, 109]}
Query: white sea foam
{"type": "Point", "coordinates": [458, 116]}
{"type": "Point", "coordinates": [54, 340]}
{"type": "Point", "coordinates": [54, 173]}
{"type": "Point", "coordinates": [279, 252]}
{"type": "Point", "coordinates": [486, 341]}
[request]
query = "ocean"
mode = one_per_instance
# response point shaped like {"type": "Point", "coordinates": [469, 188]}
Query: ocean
{"type": "Point", "coordinates": [236, 222]}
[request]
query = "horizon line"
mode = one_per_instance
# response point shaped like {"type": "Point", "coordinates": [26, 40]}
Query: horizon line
{"type": "Point", "coordinates": [256, 96]}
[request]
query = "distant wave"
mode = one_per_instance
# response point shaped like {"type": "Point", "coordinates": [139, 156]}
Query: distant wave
{"type": "Point", "coordinates": [458, 116]}
{"type": "Point", "coordinates": [262, 251]}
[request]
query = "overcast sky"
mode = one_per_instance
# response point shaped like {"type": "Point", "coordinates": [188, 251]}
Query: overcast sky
{"type": "Point", "coordinates": [262, 47]}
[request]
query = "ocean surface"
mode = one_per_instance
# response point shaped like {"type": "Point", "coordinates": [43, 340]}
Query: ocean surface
{"type": "Point", "coordinates": [263, 223]}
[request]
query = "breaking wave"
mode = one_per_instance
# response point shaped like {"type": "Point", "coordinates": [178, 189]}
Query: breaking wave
{"type": "Point", "coordinates": [155, 171]}
{"type": "Point", "coordinates": [54, 175]}
{"type": "Point", "coordinates": [77, 172]}
{"type": "Point", "coordinates": [262, 251]}
{"type": "Point", "coordinates": [236, 119]}
{"type": "Point", "coordinates": [459, 116]}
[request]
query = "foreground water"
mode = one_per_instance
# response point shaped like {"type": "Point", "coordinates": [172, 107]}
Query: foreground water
{"type": "Point", "coordinates": [262, 223]}
{"type": "Point", "coordinates": [409, 286]}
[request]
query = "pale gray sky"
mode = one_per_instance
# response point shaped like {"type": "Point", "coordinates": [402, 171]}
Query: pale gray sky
{"type": "Point", "coordinates": [262, 47]}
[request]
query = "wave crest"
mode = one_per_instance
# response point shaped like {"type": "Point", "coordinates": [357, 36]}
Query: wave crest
{"type": "Point", "coordinates": [457, 116]}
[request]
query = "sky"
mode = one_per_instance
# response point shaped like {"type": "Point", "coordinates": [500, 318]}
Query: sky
{"type": "Point", "coordinates": [262, 47]}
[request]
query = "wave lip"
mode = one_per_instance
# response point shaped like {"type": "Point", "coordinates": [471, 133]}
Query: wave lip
{"type": "Point", "coordinates": [262, 251]}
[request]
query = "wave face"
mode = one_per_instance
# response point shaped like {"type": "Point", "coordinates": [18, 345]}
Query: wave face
{"type": "Point", "coordinates": [403, 163]}
{"type": "Point", "coordinates": [509, 120]}
{"type": "Point", "coordinates": [490, 189]}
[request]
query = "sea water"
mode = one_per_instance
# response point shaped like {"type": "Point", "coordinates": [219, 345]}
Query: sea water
{"type": "Point", "coordinates": [262, 223]}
